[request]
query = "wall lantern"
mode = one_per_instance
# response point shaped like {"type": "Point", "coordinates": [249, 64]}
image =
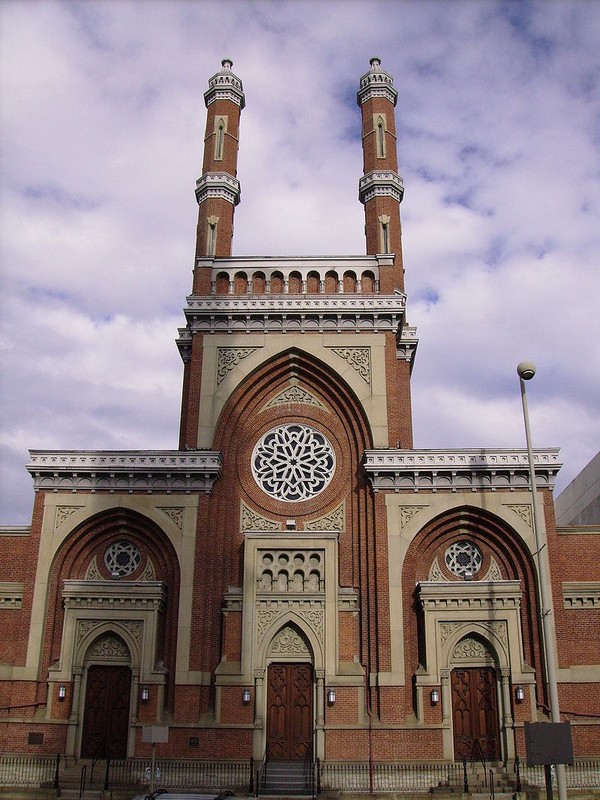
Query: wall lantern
{"type": "Point", "coordinates": [330, 696]}
{"type": "Point", "coordinates": [144, 694]}
{"type": "Point", "coordinates": [519, 694]}
{"type": "Point", "coordinates": [62, 692]}
{"type": "Point", "coordinates": [246, 696]}
{"type": "Point", "coordinates": [435, 697]}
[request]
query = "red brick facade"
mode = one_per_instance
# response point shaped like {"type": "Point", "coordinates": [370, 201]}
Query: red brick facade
{"type": "Point", "coordinates": [220, 578]}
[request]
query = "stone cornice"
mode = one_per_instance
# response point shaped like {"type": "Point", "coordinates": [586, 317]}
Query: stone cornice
{"type": "Point", "coordinates": [470, 594]}
{"type": "Point", "coordinates": [297, 263]}
{"type": "Point", "coordinates": [376, 83]}
{"type": "Point", "coordinates": [224, 85]}
{"type": "Point", "coordinates": [380, 183]}
{"type": "Point", "coordinates": [458, 470]}
{"type": "Point", "coordinates": [340, 313]}
{"type": "Point", "coordinates": [147, 471]}
{"type": "Point", "coordinates": [122, 593]}
{"type": "Point", "coordinates": [218, 184]}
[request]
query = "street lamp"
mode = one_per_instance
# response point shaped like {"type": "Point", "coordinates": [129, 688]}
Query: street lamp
{"type": "Point", "coordinates": [526, 371]}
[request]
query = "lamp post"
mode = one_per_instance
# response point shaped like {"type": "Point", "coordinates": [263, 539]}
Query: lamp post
{"type": "Point", "coordinates": [526, 371]}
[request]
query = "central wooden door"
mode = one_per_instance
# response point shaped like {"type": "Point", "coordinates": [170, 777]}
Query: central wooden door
{"type": "Point", "coordinates": [106, 717]}
{"type": "Point", "coordinates": [289, 712]}
{"type": "Point", "coordinates": [475, 713]}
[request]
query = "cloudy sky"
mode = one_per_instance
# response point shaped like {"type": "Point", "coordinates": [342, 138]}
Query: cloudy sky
{"type": "Point", "coordinates": [499, 146]}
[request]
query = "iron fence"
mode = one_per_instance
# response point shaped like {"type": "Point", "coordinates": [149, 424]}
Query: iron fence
{"type": "Point", "coordinates": [27, 772]}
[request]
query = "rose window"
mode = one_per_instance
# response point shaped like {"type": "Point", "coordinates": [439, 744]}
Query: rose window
{"type": "Point", "coordinates": [122, 558]}
{"type": "Point", "coordinates": [293, 462]}
{"type": "Point", "coordinates": [463, 558]}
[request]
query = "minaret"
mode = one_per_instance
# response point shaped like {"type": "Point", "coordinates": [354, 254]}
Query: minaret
{"type": "Point", "coordinates": [218, 190]}
{"type": "Point", "coordinates": [381, 188]}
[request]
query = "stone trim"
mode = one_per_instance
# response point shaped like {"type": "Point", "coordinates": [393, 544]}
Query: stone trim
{"type": "Point", "coordinates": [11, 595]}
{"type": "Point", "coordinates": [384, 183]}
{"type": "Point", "coordinates": [458, 470]}
{"type": "Point", "coordinates": [131, 471]}
{"type": "Point", "coordinates": [359, 358]}
{"type": "Point", "coordinates": [218, 184]}
{"type": "Point", "coordinates": [117, 594]}
{"type": "Point", "coordinates": [581, 594]}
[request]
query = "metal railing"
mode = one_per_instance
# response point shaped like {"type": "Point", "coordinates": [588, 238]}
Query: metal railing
{"type": "Point", "coordinates": [33, 772]}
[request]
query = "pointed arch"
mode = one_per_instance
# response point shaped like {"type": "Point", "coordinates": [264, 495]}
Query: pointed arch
{"type": "Point", "coordinates": [86, 544]}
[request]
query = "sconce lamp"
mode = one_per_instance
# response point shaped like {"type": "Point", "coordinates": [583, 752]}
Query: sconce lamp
{"type": "Point", "coordinates": [246, 696]}
{"type": "Point", "coordinates": [330, 696]}
{"type": "Point", "coordinates": [62, 692]}
{"type": "Point", "coordinates": [519, 694]}
{"type": "Point", "coordinates": [435, 697]}
{"type": "Point", "coordinates": [144, 694]}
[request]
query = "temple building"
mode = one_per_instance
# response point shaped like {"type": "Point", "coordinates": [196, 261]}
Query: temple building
{"type": "Point", "coordinates": [296, 581]}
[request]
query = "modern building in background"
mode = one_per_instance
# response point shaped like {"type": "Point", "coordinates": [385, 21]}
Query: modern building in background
{"type": "Point", "coordinates": [579, 503]}
{"type": "Point", "coordinates": [297, 580]}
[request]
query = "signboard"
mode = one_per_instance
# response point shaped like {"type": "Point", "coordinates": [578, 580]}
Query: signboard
{"type": "Point", "coordinates": [155, 733]}
{"type": "Point", "coordinates": [548, 743]}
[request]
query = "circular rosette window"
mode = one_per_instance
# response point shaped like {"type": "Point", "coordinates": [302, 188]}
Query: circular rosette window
{"type": "Point", "coordinates": [463, 558]}
{"type": "Point", "coordinates": [122, 558]}
{"type": "Point", "coordinates": [293, 463]}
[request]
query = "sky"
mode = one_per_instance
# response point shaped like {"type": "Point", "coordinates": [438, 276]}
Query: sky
{"type": "Point", "coordinates": [102, 121]}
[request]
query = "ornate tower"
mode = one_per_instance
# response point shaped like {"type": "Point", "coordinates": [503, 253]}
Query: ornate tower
{"type": "Point", "coordinates": [381, 188]}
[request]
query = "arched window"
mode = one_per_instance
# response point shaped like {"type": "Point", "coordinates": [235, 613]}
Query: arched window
{"type": "Point", "coordinates": [222, 283]}
{"type": "Point", "coordinates": [277, 283]}
{"type": "Point", "coordinates": [384, 233]}
{"type": "Point", "coordinates": [349, 283]}
{"type": "Point", "coordinates": [220, 128]}
{"type": "Point", "coordinates": [368, 283]}
{"type": "Point", "coordinates": [259, 283]}
{"type": "Point", "coordinates": [313, 283]}
{"type": "Point", "coordinates": [240, 283]}
{"type": "Point", "coordinates": [380, 136]}
{"type": "Point", "coordinates": [331, 283]}
{"type": "Point", "coordinates": [211, 237]}
{"type": "Point", "coordinates": [295, 283]}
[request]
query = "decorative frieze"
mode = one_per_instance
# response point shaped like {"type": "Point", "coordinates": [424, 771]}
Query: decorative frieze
{"type": "Point", "coordinates": [458, 470]}
{"type": "Point", "coordinates": [288, 642]}
{"type": "Point", "coordinates": [470, 595]}
{"type": "Point", "coordinates": [407, 513]}
{"type": "Point", "coordinates": [130, 471]}
{"type": "Point", "coordinates": [112, 595]}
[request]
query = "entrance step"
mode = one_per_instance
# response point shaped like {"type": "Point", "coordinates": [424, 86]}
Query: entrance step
{"type": "Point", "coordinates": [286, 779]}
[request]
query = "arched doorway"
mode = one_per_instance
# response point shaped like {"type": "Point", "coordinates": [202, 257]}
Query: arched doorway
{"type": "Point", "coordinates": [474, 688]}
{"type": "Point", "coordinates": [289, 711]}
{"type": "Point", "coordinates": [289, 696]}
{"type": "Point", "coordinates": [106, 715]}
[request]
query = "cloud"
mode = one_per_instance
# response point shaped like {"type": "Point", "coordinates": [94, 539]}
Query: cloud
{"type": "Point", "coordinates": [103, 120]}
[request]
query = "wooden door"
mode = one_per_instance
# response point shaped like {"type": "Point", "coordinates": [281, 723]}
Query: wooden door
{"type": "Point", "coordinates": [475, 714]}
{"type": "Point", "coordinates": [106, 716]}
{"type": "Point", "coordinates": [289, 712]}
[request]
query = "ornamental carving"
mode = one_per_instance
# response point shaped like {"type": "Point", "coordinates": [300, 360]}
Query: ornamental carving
{"type": "Point", "coordinates": [63, 513]}
{"type": "Point", "coordinates": [109, 647]}
{"type": "Point", "coordinates": [447, 629]}
{"type": "Point", "coordinates": [314, 618]}
{"type": "Point", "coordinates": [470, 650]}
{"type": "Point", "coordinates": [294, 394]}
{"type": "Point", "coordinates": [523, 511]}
{"type": "Point", "coordinates": [359, 358]}
{"type": "Point", "coordinates": [334, 521]}
{"type": "Point", "coordinates": [175, 515]}
{"type": "Point", "coordinates": [264, 618]}
{"type": "Point", "coordinates": [435, 573]}
{"type": "Point", "coordinates": [288, 642]}
{"type": "Point", "coordinates": [230, 357]}
{"type": "Point", "coordinates": [136, 630]}
{"type": "Point", "coordinates": [149, 573]}
{"type": "Point", "coordinates": [251, 521]}
{"type": "Point", "coordinates": [407, 513]}
{"type": "Point", "coordinates": [84, 628]}
{"type": "Point", "coordinates": [93, 573]}
{"type": "Point", "coordinates": [494, 573]}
